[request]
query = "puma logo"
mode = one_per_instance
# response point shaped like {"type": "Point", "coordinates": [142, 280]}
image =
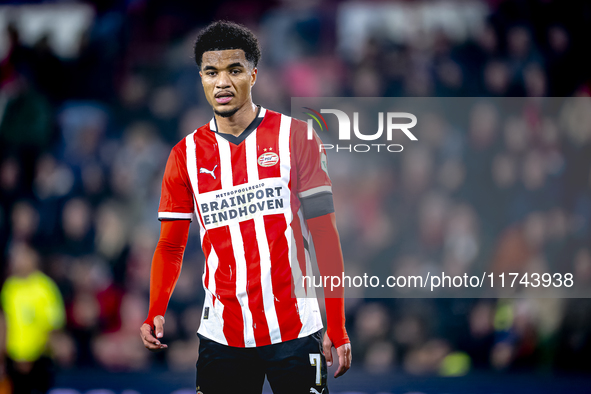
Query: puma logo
{"type": "Point", "coordinates": [206, 171]}
{"type": "Point", "coordinates": [314, 391]}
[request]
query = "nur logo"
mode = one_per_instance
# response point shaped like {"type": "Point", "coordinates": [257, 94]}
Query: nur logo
{"type": "Point", "coordinates": [345, 129]}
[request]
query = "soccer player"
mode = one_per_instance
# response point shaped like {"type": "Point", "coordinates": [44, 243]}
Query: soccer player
{"type": "Point", "coordinates": [258, 188]}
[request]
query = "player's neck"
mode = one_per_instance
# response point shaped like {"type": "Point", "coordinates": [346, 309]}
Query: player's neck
{"type": "Point", "coordinates": [238, 122]}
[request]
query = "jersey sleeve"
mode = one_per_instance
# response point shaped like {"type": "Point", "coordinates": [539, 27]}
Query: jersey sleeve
{"type": "Point", "coordinates": [314, 188]}
{"type": "Point", "coordinates": [176, 198]}
{"type": "Point", "coordinates": [166, 266]}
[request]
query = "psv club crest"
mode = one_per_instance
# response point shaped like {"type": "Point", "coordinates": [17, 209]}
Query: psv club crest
{"type": "Point", "coordinates": [268, 159]}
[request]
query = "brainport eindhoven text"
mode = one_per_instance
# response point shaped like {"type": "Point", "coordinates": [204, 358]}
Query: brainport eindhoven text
{"type": "Point", "coordinates": [241, 203]}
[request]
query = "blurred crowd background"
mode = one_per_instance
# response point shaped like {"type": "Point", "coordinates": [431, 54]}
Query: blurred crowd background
{"type": "Point", "coordinates": [94, 95]}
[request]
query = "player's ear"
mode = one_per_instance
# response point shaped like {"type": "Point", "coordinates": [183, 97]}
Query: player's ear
{"type": "Point", "coordinates": [253, 76]}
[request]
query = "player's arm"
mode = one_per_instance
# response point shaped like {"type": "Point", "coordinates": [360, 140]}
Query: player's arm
{"type": "Point", "coordinates": [175, 213]}
{"type": "Point", "coordinates": [315, 194]}
{"type": "Point", "coordinates": [330, 263]}
{"type": "Point", "coordinates": [165, 272]}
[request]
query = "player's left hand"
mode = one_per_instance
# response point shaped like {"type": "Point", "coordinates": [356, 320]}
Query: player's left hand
{"type": "Point", "coordinates": [150, 337]}
{"type": "Point", "coordinates": [344, 353]}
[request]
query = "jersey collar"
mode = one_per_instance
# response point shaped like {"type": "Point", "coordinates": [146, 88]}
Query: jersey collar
{"type": "Point", "coordinates": [249, 129]}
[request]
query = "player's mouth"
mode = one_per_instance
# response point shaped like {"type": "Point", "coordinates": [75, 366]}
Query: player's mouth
{"type": "Point", "coordinates": [223, 97]}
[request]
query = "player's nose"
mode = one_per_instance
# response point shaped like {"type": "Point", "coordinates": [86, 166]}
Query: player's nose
{"type": "Point", "coordinates": [223, 81]}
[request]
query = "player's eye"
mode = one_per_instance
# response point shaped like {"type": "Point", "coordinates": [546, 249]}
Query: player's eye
{"type": "Point", "coordinates": [235, 71]}
{"type": "Point", "coordinates": [210, 73]}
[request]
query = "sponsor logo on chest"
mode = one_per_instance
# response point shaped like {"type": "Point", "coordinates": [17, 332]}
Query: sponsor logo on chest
{"type": "Point", "coordinates": [243, 202]}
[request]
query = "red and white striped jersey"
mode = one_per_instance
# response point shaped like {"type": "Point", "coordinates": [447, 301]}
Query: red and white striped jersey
{"type": "Point", "coordinates": [251, 195]}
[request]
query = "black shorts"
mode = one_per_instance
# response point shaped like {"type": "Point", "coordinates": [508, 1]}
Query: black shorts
{"type": "Point", "coordinates": [292, 367]}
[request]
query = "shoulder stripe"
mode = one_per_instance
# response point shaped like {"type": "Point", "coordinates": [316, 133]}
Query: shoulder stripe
{"type": "Point", "coordinates": [175, 215]}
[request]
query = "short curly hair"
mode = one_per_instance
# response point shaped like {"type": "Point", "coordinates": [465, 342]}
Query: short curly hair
{"type": "Point", "coordinates": [221, 35]}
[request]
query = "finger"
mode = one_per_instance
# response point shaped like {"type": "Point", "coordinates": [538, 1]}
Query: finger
{"type": "Point", "coordinates": [159, 326]}
{"type": "Point", "coordinates": [157, 348]}
{"type": "Point", "coordinates": [154, 347]}
{"type": "Point", "coordinates": [348, 355]}
{"type": "Point", "coordinates": [327, 350]}
{"type": "Point", "coordinates": [153, 344]}
{"type": "Point", "coordinates": [149, 340]}
{"type": "Point", "coordinates": [342, 368]}
{"type": "Point", "coordinates": [146, 334]}
{"type": "Point", "coordinates": [344, 353]}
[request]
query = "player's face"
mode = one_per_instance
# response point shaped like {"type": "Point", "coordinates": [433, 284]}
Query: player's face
{"type": "Point", "coordinates": [227, 78]}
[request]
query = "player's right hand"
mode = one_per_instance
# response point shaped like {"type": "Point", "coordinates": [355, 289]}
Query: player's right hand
{"type": "Point", "coordinates": [150, 338]}
{"type": "Point", "coordinates": [343, 352]}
